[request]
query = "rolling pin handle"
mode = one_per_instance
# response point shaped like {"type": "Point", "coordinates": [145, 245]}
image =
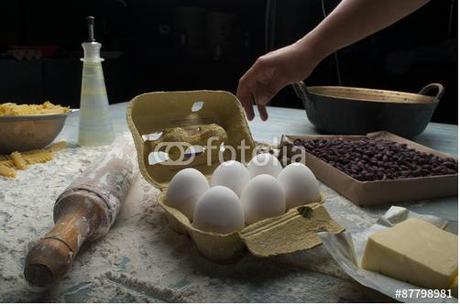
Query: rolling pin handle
{"type": "Point", "coordinates": [47, 261]}
{"type": "Point", "coordinates": [52, 257]}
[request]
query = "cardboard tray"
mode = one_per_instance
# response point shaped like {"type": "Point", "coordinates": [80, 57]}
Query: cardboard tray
{"type": "Point", "coordinates": [375, 192]}
{"type": "Point", "coordinates": [152, 113]}
{"type": "Point", "coordinates": [293, 231]}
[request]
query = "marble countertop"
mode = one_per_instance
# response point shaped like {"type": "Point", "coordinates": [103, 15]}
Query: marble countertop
{"type": "Point", "coordinates": [142, 259]}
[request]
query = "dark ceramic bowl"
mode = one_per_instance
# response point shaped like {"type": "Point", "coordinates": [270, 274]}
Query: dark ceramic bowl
{"type": "Point", "coordinates": [348, 110]}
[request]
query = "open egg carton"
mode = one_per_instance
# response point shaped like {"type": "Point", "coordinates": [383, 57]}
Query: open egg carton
{"type": "Point", "coordinates": [193, 118]}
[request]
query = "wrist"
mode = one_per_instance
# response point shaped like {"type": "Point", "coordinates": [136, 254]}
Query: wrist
{"type": "Point", "coordinates": [314, 48]}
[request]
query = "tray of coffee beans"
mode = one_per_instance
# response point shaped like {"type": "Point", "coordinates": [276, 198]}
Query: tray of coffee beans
{"type": "Point", "coordinates": [378, 168]}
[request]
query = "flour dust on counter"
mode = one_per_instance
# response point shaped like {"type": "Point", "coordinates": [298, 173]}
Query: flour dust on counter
{"type": "Point", "coordinates": [141, 259]}
{"type": "Point", "coordinates": [26, 213]}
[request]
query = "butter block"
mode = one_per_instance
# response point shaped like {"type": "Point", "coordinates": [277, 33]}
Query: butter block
{"type": "Point", "coordinates": [414, 251]}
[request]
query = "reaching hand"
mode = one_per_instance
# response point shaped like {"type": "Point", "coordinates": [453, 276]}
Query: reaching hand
{"type": "Point", "coordinates": [272, 72]}
{"type": "Point", "coordinates": [350, 21]}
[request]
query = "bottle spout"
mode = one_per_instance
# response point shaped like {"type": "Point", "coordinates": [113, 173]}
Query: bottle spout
{"type": "Point", "coordinates": [91, 48]}
{"type": "Point", "coordinates": [90, 23]}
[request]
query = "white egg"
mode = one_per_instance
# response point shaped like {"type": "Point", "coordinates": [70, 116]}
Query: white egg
{"type": "Point", "coordinates": [264, 164]}
{"type": "Point", "coordinates": [184, 190]}
{"type": "Point", "coordinates": [219, 210]}
{"type": "Point", "coordinates": [299, 184]}
{"type": "Point", "coordinates": [262, 198]}
{"type": "Point", "coordinates": [231, 174]}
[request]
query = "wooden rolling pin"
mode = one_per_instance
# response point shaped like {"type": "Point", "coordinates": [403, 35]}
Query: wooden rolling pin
{"type": "Point", "coordinates": [84, 211]}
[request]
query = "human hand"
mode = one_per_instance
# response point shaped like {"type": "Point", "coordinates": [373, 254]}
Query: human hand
{"type": "Point", "coordinates": [272, 72]}
{"type": "Point", "coordinates": [350, 21]}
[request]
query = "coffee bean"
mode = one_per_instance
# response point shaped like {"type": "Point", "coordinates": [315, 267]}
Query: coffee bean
{"type": "Point", "coordinates": [377, 159]}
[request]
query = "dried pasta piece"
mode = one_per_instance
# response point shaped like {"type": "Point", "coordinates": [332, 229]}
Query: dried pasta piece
{"type": "Point", "coordinates": [18, 160]}
{"type": "Point", "coordinates": [7, 163]}
{"type": "Point", "coordinates": [57, 146]}
{"type": "Point", "coordinates": [32, 152]}
{"type": "Point", "coordinates": [7, 172]}
{"type": "Point", "coordinates": [40, 157]}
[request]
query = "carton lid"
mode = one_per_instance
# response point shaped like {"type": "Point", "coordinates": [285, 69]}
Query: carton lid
{"type": "Point", "coordinates": [294, 231]}
{"type": "Point", "coordinates": [187, 115]}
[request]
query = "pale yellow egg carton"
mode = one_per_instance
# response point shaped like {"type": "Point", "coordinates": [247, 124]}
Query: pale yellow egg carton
{"type": "Point", "coordinates": [192, 116]}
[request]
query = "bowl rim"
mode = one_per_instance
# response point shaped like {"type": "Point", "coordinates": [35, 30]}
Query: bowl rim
{"type": "Point", "coordinates": [35, 117]}
{"type": "Point", "coordinates": [407, 98]}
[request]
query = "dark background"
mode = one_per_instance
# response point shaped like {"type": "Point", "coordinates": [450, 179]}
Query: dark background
{"type": "Point", "coordinates": [208, 44]}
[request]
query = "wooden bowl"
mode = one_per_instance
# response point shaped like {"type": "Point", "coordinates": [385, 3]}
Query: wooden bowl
{"type": "Point", "coordinates": [28, 132]}
{"type": "Point", "coordinates": [349, 110]}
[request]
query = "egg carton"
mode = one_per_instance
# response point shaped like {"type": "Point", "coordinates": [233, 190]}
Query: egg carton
{"type": "Point", "coordinates": [150, 116]}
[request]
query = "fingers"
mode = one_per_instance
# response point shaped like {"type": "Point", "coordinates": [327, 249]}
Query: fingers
{"type": "Point", "coordinates": [262, 112]}
{"type": "Point", "coordinates": [244, 95]}
{"type": "Point", "coordinates": [247, 99]}
{"type": "Point", "coordinates": [263, 93]}
{"type": "Point", "coordinates": [256, 86]}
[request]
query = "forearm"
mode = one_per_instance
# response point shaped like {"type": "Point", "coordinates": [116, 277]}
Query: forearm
{"type": "Point", "coordinates": [353, 20]}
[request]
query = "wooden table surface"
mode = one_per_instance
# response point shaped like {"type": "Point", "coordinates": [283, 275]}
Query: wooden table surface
{"type": "Point", "coordinates": [141, 259]}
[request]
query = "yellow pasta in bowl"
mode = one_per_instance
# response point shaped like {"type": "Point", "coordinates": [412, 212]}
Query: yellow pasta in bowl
{"type": "Point", "coordinates": [12, 109]}
{"type": "Point", "coordinates": [30, 126]}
